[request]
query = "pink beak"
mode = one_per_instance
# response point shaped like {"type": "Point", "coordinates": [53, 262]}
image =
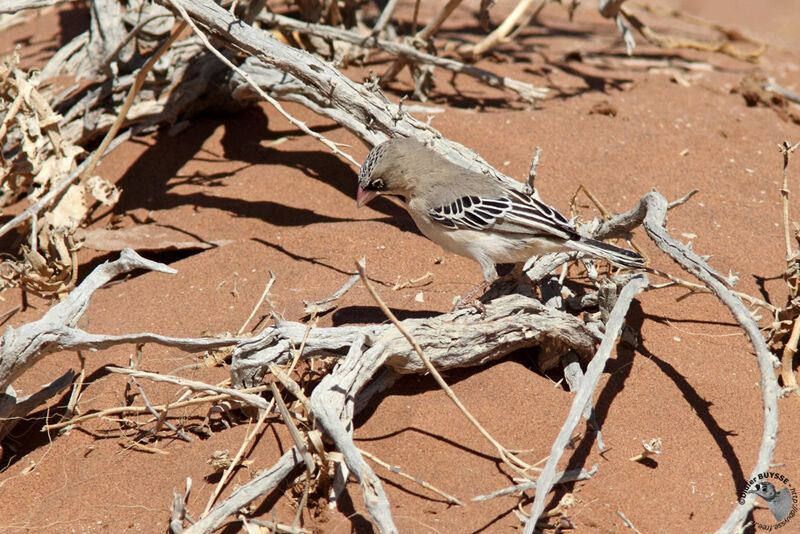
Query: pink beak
{"type": "Point", "coordinates": [363, 197]}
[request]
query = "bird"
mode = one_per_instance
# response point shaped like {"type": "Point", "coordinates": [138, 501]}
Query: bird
{"type": "Point", "coordinates": [473, 214]}
{"type": "Point", "coordinates": [779, 502]}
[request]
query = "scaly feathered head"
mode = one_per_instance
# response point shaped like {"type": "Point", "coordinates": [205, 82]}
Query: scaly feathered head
{"type": "Point", "coordinates": [390, 168]}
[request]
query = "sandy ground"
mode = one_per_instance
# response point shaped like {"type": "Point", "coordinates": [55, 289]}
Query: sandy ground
{"type": "Point", "coordinates": [286, 205]}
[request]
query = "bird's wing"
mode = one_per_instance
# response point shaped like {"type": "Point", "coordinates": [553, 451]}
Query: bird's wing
{"type": "Point", "coordinates": [513, 212]}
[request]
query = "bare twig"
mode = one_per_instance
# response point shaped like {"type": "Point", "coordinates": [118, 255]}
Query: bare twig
{"type": "Point", "coordinates": [787, 149]}
{"type": "Point", "coordinates": [510, 459]}
{"type": "Point", "coordinates": [501, 34]}
{"type": "Point", "coordinates": [787, 358]}
{"type": "Point", "coordinates": [247, 398]}
{"type": "Point", "coordinates": [144, 409]}
{"type": "Point", "coordinates": [299, 124]}
{"type": "Point", "coordinates": [697, 288]}
{"type": "Point", "coordinates": [385, 17]}
{"type": "Point", "coordinates": [126, 105]}
{"type": "Point", "coordinates": [421, 37]}
{"type": "Point", "coordinates": [235, 462]}
{"type": "Point", "coordinates": [670, 42]}
{"type": "Point", "coordinates": [532, 172]}
{"type": "Point", "coordinates": [584, 395]}
{"type": "Point", "coordinates": [396, 470]}
{"type": "Point", "coordinates": [527, 92]}
{"type": "Point", "coordinates": [627, 522]}
{"type": "Point", "coordinates": [246, 494]}
{"type": "Point", "coordinates": [653, 223]}
{"type": "Point", "coordinates": [322, 306]}
{"type": "Point", "coordinates": [563, 477]}
{"type": "Point", "coordinates": [299, 442]}
{"type": "Point", "coordinates": [258, 304]}
{"type": "Point", "coordinates": [160, 417]}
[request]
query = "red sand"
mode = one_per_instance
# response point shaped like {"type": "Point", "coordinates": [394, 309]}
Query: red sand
{"type": "Point", "coordinates": [289, 208]}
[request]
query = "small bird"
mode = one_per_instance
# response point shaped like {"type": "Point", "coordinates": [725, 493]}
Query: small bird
{"type": "Point", "coordinates": [472, 214]}
{"type": "Point", "coordinates": [779, 502]}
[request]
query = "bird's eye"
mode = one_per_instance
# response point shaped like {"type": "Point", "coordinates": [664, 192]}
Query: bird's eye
{"type": "Point", "coordinates": [376, 185]}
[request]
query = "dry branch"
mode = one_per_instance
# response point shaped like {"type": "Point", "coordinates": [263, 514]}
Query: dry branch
{"type": "Point", "coordinates": [584, 396]}
{"type": "Point", "coordinates": [524, 90]}
{"type": "Point", "coordinates": [450, 340]}
{"type": "Point", "coordinates": [652, 214]}
{"type": "Point", "coordinates": [564, 477]}
{"type": "Point", "coordinates": [21, 348]}
{"type": "Point", "coordinates": [194, 385]}
{"type": "Point", "coordinates": [358, 107]}
{"type": "Point", "coordinates": [243, 496]}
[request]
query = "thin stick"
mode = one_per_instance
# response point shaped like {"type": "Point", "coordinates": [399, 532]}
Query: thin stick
{"type": "Point", "coordinates": [627, 522]}
{"type": "Point", "coordinates": [396, 470]}
{"type": "Point", "coordinates": [422, 36]}
{"type": "Point", "coordinates": [787, 149]}
{"type": "Point", "coordinates": [563, 477]}
{"type": "Point", "coordinates": [138, 82]}
{"type": "Point", "coordinates": [385, 17]}
{"type": "Point", "coordinates": [591, 379]}
{"type": "Point", "coordinates": [140, 447]}
{"type": "Point", "coordinates": [303, 503]}
{"type": "Point", "coordinates": [668, 42]}
{"type": "Point", "coordinates": [131, 34]}
{"type": "Point", "coordinates": [290, 385]}
{"type": "Point", "coordinates": [275, 527]}
{"type": "Point", "coordinates": [246, 77]}
{"type": "Point", "coordinates": [299, 352]}
{"type": "Point", "coordinates": [258, 304]}
{"type": "Point", "coordinates": [433, 26]}
{"type": "Point", "coordinates": [499, 35]}
{"type": "Point", "coordinates": [299, 442]}
{"type": "Point", "coordinates": [237, 394]}
{"type": "Point", "coordinates": [161, 418]}
{"type": "Point", "coordinates": [144, 409]}
{"type": "Point", "coordinates": [787, 370]}
{"type": "Point", "coordinates": [11, 114]}
{"type": "Point", "coordinates": [76, 389]}
{"type": "Point", "coordinates": [532, 174]}
{"type": "Point", "coordinates": [697, 288]}
{"type": "Point", "coordinates": [512, 461]}
{"type": "Point", "coordinates": [235, 463]}
{"type": "Point", "coordinates": [408, 53]}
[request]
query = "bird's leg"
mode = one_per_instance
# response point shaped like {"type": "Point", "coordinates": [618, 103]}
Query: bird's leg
{"type": "Point", "coordinates": [470, 300]}
{"type": "Point", "coordinates": [516, 273]}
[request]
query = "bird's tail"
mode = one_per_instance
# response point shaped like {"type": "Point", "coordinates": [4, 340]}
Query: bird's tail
{"type": "Point", "coordinates": [618, 256]}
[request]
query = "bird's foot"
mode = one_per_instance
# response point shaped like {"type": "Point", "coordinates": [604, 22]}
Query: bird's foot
{"type": "Point", "coordinates": [470, 300]}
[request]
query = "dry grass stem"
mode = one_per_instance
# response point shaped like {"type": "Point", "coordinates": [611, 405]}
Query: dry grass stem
{"type": "Point", "coordinates": [670, 42]}
{"type": "Point", "coordinates": [398, 471]}
{"type": "Point", "coordinates": [263, 297]}
{"type": "Point", "coordinates": [126, 105]}
{"type": "Point", "coordinates": [258, 427]}
{"type": "Point", "coordinates": [133, 410]}
{"type": "Point", "coordinates": [299, 442]}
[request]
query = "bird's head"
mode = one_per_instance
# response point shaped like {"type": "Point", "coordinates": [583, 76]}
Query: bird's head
{"type": "Point", "coordinates": [389, 169]}
{"type": "Point", "coordinates": [765, 490]}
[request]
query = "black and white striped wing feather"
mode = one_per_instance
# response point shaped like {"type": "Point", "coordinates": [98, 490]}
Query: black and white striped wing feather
{"type": "Point", "coordinates": [513, 213]}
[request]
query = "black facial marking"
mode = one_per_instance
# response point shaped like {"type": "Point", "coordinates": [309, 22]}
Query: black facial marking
{"type": "Point", "coordinates": [375, 185]}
